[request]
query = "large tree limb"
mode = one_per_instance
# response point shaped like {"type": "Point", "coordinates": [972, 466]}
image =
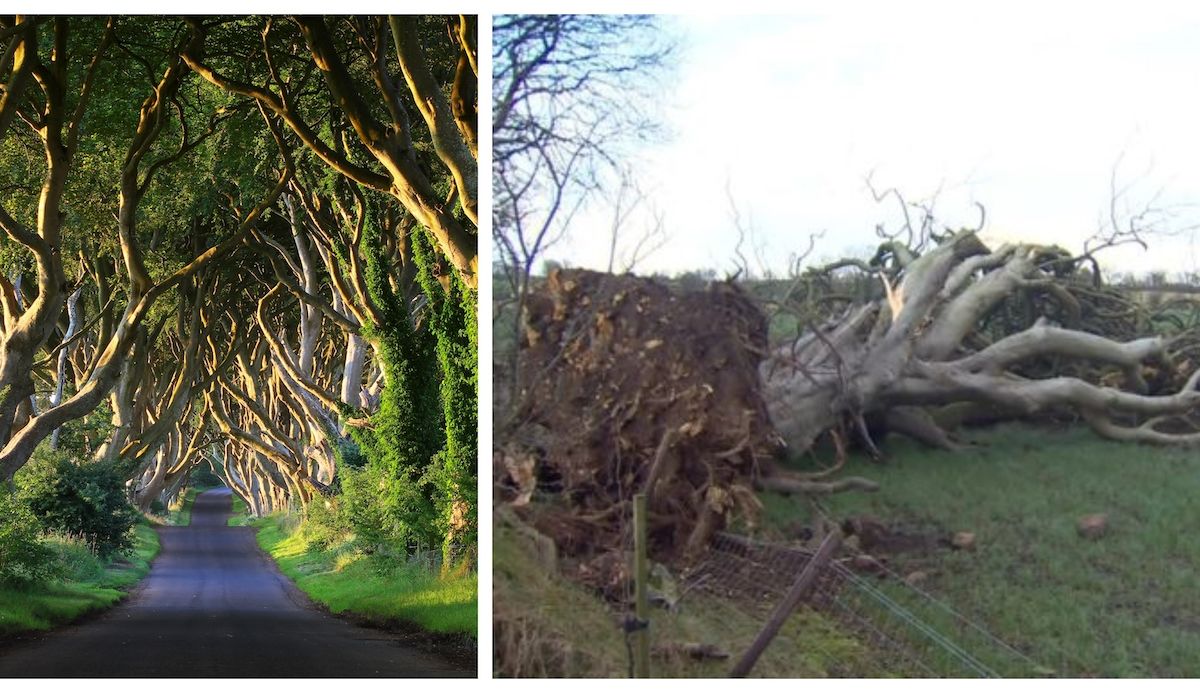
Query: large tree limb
{"type": "Point", "coordinates": [447, 139]}
{"type": "Point", "coordinates": [1046, 340]}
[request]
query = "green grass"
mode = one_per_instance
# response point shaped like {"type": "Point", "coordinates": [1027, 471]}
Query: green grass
{"type": "Point", "coordinates": [545, 625]}
{"type": "Point", "coordinates": [1127, 604]}
{"type": "Point", "coordinates": [376, 587]}
{"type": "Point", "coordinates": [88, 584]}
{"type": "Point", "coordinates": [179, 514]}
{"type": "Point", "coordinates": [241, 513]}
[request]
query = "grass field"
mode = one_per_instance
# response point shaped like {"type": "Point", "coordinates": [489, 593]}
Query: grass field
{"type": "Point", "coordinates": [1127, 604]}
{"type": "Point", "coordinates": [1124, 605]}
{"type": "Point", "coordinates": [377, 588]}
{"type": "Point", "coordinates": [88, 584]}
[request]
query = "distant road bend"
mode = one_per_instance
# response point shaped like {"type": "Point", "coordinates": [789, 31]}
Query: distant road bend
{"type": "Point", "coordinates": [214, 605]}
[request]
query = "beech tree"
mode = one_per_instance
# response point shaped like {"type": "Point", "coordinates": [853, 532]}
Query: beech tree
{"type": "Point", "coordinates": [698, 398]}
{"type": "Point", "coordinates": [292, 51]}
{"type": "Point", "coordinates": [939, 339]}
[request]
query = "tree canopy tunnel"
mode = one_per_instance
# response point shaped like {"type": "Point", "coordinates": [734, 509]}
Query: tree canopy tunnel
{"type": "Point", "coordinates": [248, 242]}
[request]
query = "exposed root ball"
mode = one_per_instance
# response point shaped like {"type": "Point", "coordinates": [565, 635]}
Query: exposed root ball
{"type": "Point", "coordinates": [638, 389]}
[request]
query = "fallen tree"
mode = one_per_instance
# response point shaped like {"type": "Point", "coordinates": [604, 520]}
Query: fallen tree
{"type": "Point", "coordinates": [921, 349]}
{"type": "Point", "coordinates": [630, 387]}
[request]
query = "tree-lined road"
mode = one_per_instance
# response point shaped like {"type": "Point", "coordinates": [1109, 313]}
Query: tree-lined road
{"type": "Point", "coordinates": [214, 605]}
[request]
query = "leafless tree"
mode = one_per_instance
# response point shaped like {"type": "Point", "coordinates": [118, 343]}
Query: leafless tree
{"type": "Point", "coordinates": [573, 95]}
{"type": "Point", "coordinates": [629, 242]}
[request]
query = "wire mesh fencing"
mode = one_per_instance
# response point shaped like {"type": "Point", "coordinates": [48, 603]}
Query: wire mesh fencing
{"type": "Point", "coordinates": [910, 632]}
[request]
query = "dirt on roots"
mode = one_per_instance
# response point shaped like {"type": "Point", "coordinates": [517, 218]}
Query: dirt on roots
{"type": "Point", "coordinates": [627, 387]}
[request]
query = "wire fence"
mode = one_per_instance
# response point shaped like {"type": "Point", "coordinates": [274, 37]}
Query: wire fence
{"type": "Point", "coordinates": [910, 632]}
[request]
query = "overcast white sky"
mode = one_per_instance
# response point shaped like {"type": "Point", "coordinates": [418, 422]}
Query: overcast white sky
{"type": "Point", "coordinates": [1025, 111]}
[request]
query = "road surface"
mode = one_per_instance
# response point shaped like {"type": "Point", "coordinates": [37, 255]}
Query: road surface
{"type": "Point", "coordinates": [214, 605]}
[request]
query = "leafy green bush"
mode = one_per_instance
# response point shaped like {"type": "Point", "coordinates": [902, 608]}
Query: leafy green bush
{"type": "Point", "coordinates": [86, 501]}
{"type": "Point", "coordinates": [157, 507]}
{"type": "Point", "coordinates": [78, 562]}
{"type": "Point", "coordinates": [361, 504]}
{"type": "Point", "coordinates": [323, 524]}
{"type": "Point", "coordinates": [80, 437]}
{"type": "Point", "coordinates": [24, 560]}
{"type": "Point", "coordinates": [453, 470]}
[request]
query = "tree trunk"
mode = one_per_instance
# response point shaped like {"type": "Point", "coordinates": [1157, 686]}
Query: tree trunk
{"type": "Point", "coordinates": [64, 355]}
{"type": "Point", "coordinates": [898, 360]}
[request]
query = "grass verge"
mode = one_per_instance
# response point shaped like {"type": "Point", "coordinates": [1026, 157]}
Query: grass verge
{"type": "Point", "coordinates": [547, 626]}
{"type": "Point", "coordinates": [179, 514]}
{"type": "Point", "coordinates": [374, 588]}
{"type": "Point", "coordinates": [241, 513]}
{"type": "Point", "coordinates": [1124, 605]}
{"type": "Point", "coordinates": [89, 584]}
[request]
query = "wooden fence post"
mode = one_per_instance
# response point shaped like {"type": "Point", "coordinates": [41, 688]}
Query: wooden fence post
{"type": "Point", "coordinates": [784, 609]}
{"type": "Point", "coordinates": [641, 574]}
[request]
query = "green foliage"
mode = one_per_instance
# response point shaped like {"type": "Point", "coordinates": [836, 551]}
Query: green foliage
{"type": "Point", "coordinates": [348, 454]}
{"type": "Point", "coordinates": [360, 506]}
{"type": "Point", "coordinates": [377, 585]}
{"type": "Point", "coordinates": [85, 583]}
{"type": "Point", "coordinates": [81, 437]}
{"type": "Point", "coordinates": [411, 476]}
{"type": "Point", "coordinates": [202, 477]}
{"type": "Point", "coordinates": [76, 560]}
{"type": "Point", "coordinates": [24, 560]}
{"type": "Point", "coordinates": [453, 321]}
{"type": "Point", "coordinates": [406, 431]}
{"type": "Point", "coordinates": [79, 500]}
{"type": "Point", "coordinates": [323, 525]}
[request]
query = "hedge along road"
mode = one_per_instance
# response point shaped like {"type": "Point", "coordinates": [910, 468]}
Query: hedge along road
{"type": "Point", "coordinates": [214, 605]}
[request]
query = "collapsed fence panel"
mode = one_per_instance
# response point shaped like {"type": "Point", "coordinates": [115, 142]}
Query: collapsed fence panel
{"type": "Point", "coordinates": [910, 632]}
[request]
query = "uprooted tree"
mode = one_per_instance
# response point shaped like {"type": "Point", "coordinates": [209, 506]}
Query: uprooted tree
{"type": "Point", "coordinates": [631, 387]}
{"type": "Point", "coordinates": [928, 346]}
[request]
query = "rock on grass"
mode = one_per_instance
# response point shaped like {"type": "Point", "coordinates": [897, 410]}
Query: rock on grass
{"type": "Point", "coordinates": [963, 541]}
{"type": "Point", "coordinates": [1093, 526]}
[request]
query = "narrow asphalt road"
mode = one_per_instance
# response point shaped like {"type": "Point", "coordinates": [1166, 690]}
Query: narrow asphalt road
{"type": "Point", "coordinates": [214, 605]}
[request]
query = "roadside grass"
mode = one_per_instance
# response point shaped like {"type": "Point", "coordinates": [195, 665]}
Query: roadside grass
{"type": "Point", "coordinates": [376, 587]}
{"type": "Point", "coordinates": [87, 584]}
{"type": "Point", "coordinates": [179, 513]}
{"type": "Point", "coordinates": [241, 513]}
{"type": "Point", "coordinates": [546, 626]}
{"type": "Point", "coordinates": [1125, 605]}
